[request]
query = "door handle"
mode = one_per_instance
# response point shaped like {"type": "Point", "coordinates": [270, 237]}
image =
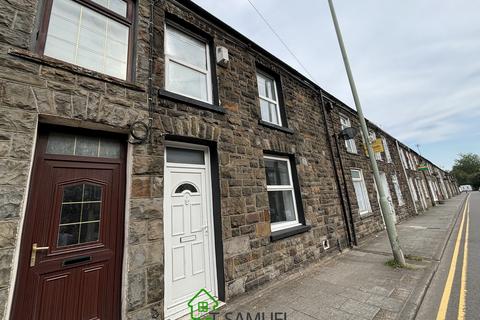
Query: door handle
{"type": "Point", "coordinates": [33, 256]}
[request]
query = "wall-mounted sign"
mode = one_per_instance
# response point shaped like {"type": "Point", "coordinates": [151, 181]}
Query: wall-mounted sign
{"type": "Point", "coordinates": [422, 167]}
{"type": "Point", "coordinates": [377, 146]}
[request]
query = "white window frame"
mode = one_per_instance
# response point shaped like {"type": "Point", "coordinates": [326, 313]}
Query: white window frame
{"type": "Point", "coordinates": [412, 186]}
{"type": "Point", "coordinates": [168, 58]}
{"type": "Point", "coordinates": [276, 226]}
{"type": "Point", "coordinates": [410, 160]}
{"type": "Point", "coordinates": [398, 190]}
{"type": "Point", "coordinates": [388, 156]}
{"type": "Point", "coordinates": [364, 191]}
{"type": "Point", "coordinates": [403, 158]}
{"type": "Point", "coordinates": [275, 102]}
{"type": "Point", "coordinates": [350, 143]}
{"type": "Point", "coordinates": [424, 185]}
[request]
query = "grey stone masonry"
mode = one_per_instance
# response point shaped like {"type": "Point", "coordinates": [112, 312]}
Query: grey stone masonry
{"type": "Point", "coordinates": [36, 90]}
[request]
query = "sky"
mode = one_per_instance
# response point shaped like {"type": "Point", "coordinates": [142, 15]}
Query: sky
{"type": "Point", "coordinates": [416, 63]}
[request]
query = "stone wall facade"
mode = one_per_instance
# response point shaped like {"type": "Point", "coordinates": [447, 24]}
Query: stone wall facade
{"type": "Point", "coordinates": [35, 90]}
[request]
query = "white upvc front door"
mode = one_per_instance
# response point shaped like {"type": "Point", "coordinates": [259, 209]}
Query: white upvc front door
{"type": "Point", "coordinates": [422, 194]}
{"type": "Point", "coordinates": [188, 228]}
{"type": "Point", "coordinates": [386, 190]}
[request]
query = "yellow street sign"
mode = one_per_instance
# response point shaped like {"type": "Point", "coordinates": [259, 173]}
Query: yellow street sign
{"type": "Point", "coordinates": [377, 146]}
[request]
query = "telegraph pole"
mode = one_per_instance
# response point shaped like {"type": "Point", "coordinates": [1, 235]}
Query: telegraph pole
{"type": "Point", "coordinates": [386, 211]}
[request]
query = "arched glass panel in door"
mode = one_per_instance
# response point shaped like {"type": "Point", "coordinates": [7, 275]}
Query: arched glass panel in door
{"type": "Point", "coordinates": [186, 187]}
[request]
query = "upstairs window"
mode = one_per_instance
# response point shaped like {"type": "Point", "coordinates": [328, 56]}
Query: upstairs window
{"type": "Point", "coordinates": [404, 160]}
{"type": "Point", "coordinates": [93, 34]}
{"type": "Point", "coordinates": [269, 102]}
{"type": "Point", "coordinates": [350, 143]}
{"type": "Point", "coordinates": [388, 156]}
{"type": "Point", "coordinates": [187, 65]}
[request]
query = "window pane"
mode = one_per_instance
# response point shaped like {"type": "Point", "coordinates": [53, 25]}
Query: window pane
{"type": "Point", "coordinates": [91, 211]}
{"type": "Point", "coordinates": [117, 32]}
{"type": "Point", "coordinates": [60, 143]}
{"type": "Point", "coordinates": [63, 28]}
{"type": "Point", "coordinates": [82, 145]}
{"type": "Point", "coordinates": [187, 81]}
{"type": "Point", "coordinates": [86, 146]}
{"type": "Point", "coordinates": [89, 59]}
{"type": "Point", "coordinates": [92, 192]}
{"type": "Point", "coordinates": [60, 49]}
{"type": "Point", "coordinates": [68, 235]}
{"type": "Point", "coordinates": [277, 172]}
{"type": "Point", "coordinates": [186, 49]}
{"type": "Point", "coordinates": [119, 6]}
{"type": "Point", "coordinates": [274, 113]}
{"type": "Point", "coordinates": [189, 156]}
{"type": "Point", "coordinates": [186, 186]}
{"type": "Point", "coordinates": [88, 232]}
{"type": "Point", "coordinates": [265, 110]}
{"type": "Point", "coordinates": [92, 40]}
{"type": "Point", "coordinates": [70, 213]}
{"type": "Point", "coordinates": [94, 21]}
{"type": "Point", "coordinates": [281, 206]}
{"type": "Point", "coordinates": [266, 87]}
{"type": "Point", "coordinates": [109, 148]}
{"type": "Point", "coordinates": [79, 35]}
{"type": "Point", "coordinates": [355, 174]}
{"type": "Point", "coordinates": [271, 89]}
{"type": "Point", "coordinates": [67, 9]}
{"type": "Point", "coordinates": [117, 50]}
{"type": "Point", "coordinates": [73, 194]}
{"type": "Point", "coordinates": [116, 68]}
{"type": "Point", "coordinates": [261, 86]}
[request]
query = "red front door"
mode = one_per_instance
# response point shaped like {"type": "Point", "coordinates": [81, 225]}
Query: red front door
{"type": "Point", "coordinates": [71, 251]}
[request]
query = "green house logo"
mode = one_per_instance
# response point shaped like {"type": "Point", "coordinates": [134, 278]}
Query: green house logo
{"type": "Point", "coordinates": [201, 304]}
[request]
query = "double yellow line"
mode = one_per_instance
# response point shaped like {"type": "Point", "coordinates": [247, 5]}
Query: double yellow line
{"type": "Point", "coordinates": [442, 310]}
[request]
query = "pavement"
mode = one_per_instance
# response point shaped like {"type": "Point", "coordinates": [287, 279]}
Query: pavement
{"type": "Point", "coordinates": [466, 268]}
{"type": "Point", "coordinates": [357, 284]}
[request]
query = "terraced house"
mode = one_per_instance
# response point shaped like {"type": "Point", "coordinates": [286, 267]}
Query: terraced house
{"type": "Point", "coordinates": [149, 151]}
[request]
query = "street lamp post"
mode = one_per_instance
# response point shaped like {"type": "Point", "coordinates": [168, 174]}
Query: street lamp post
{"type": "Point", "coordinates": [386, 211]}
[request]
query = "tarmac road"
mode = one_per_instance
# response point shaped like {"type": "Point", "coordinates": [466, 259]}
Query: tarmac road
{"type": "Point", "coordinates": [454, 292]}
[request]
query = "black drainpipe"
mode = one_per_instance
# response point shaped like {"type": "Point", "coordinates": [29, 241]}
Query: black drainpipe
{"type": "Point", "coordinates": [151, 89]}
{"type": "Point", "coordinates": [352, 226]}
{"type": "Point", "coordinates": [348, 230]}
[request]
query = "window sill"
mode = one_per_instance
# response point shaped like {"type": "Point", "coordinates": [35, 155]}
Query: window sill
{"type": "Point", "coordinates": [285, 233]}
{"type": "Point", "coordinates": [55, 63]}
{"type": "Point", "coordinates": [352, 153]}
{"type": "Point", "coordinates": [274, 126]}
{"type": "Point", "coordinates": [366, 215]}
{"type": "Point", "coordinates": [196, 103]}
